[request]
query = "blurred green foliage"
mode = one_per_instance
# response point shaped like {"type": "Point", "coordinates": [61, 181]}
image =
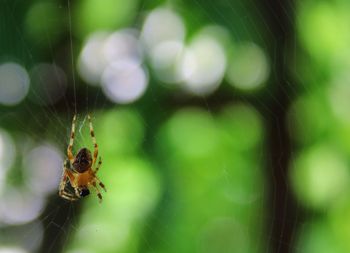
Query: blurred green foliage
{"type": "Point", "coordinates": [184, 173]}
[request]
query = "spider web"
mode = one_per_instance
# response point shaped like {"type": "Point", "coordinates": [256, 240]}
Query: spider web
{"type": "Point", "coordinates": [193, 161]}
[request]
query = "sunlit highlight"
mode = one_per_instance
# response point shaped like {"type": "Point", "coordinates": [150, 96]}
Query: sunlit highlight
{"type": "Point", "coordinates": [166, 61]}
{"type": "Point", "coordinates": [7, 155]}
{"type": "Point", "coordinates": [95, 15]}
{"type": "Point", "coordinates": [14, 83]}
{"type": "Point", "coordinates": [19, 207]}
{"type": "Point", "coordinates": [92, 61]}
{"type": "Point", "coordinates": [12, 250]}
{"type": "Point", "coordinates": [319, 176]}
{"type": "Point", "coordinates": [102, 49]}
{"type": "Point", "coordinates": [162, 24]}
{"type": "Point", "coordinates": [220, 33]}
{"type": "Point", "coordinates": [203, 65]}
{"type": "Point", "coordinates": [339, 94]}
{"type": "Point", "coordinates": [122, 45]}
{"type": "Point", "coordinates": [328, 22]}
{"type": "Point", "coordinates": [248, 68]}
{"type": "Point", "coordinates": [43, 168]}
{"type": "Point", "coordinates": [124, 81]}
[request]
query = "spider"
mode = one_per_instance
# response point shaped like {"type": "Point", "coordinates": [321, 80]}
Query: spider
{"type": "Point", "coordinates": [79, 170]}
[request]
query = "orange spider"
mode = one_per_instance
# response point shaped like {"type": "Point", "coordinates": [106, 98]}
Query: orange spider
{"type": "Point", "coordinates": [79, 170]}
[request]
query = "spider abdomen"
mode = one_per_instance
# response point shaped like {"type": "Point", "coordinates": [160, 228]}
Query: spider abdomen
{"type": "Point", "coordinates": [82, 161]}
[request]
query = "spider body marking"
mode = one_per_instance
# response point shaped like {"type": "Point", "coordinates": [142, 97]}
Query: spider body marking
{"type": "Point", "coordinates": [80, 170]}
{"type": "Point", "coordinates": [82, 161]}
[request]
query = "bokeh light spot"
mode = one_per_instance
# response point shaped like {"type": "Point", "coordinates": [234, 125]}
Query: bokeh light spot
{"type": "Point", "coordinates": [12, 250]}
{"type": "Point", "coordinates": [339, 93]}
{"type": "Point", "coordinates": [319, 176]}
{"type": "Point", "coordinates": [203, 65]}
{"type": "Point", "coordinates": [248, 67]}
{"type": "Point", "coordinates": [137, 180]}
{"type": "Point", "coordinates": [45, 33]}
{"type": "Point", "coordinates": [14, 202]}
{"type": "Point", "coordinates": [161, 25]}
{"type": "Point", "coordinates": [14, 83]}
{"type": "Point", "coordinates": [7, 156]}
{"type": "Point", "coordinates": [94, 15]}
{"type": "Point", "coordinates": [43, 168]}
{"type": "Point", "coordinates": [92, 60]}
{"type": "Point", "coordinates": [123, 45]}
{"type": "Point", "coordinates": [166, 61]}
{"type": "Point", "coordinates": [126, 126]}
{"type": "Point", "coordinates": [328, 22]}
{"type": "Point", "coordinates": [317, 236]}
{"type": "Point", "coordinates": [124, 81]}
{"type": "Point", "coordinates": [192, 133]}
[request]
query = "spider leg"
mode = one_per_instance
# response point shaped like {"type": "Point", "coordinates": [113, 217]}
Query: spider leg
{"type": "Point", "coordinates": [98, 165]}
{"type": "Point", "coordinates": [76, 191]}
{"type": "Point", "coordinates": [62, 193]}
{"type": "Point", "coordinates": [71, 140]}
{"type": "Point", "coordinates": [93, 140]}
{"type": "Point", "coordinates": [67, 175]}
{"type": "Point", "coordinates": [69, 197]}
{"type": "Point", "coordinates": [101, 184]}
{"type": "Point", "coordinates": [98, 192]}
{"type": "Point", "coordinates": [62, 186]}
{"type": "Point", "coordinates": [63, 179]}
{"type": "Point", "coordinates": [95, 171]}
